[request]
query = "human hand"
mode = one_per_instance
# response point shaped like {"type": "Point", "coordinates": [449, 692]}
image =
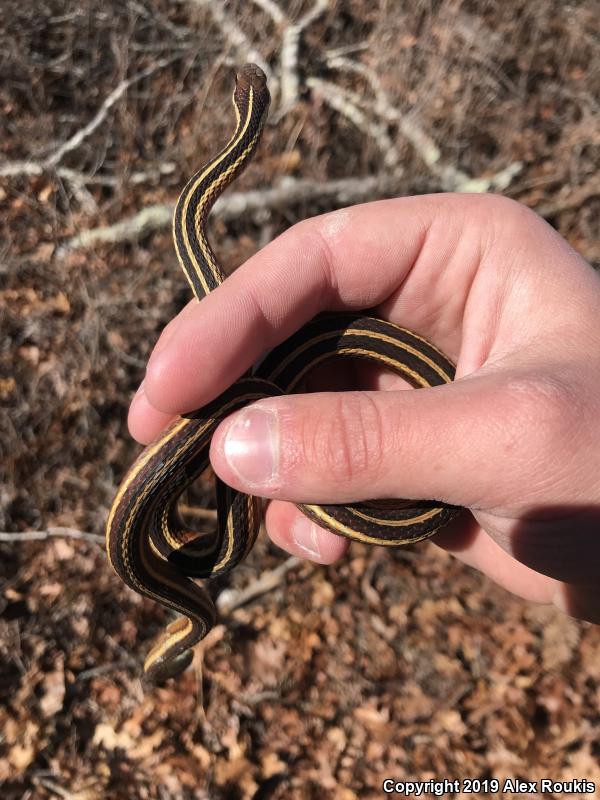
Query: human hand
{"type": "Point", "coordinates": [516, 438]}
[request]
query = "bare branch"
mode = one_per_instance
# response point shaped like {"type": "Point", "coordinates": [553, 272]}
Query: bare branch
{"type": "Point", "coordinates": [231, 599]}
{"type": "Point", "coordinates": [346, 103]}
{"type": "Point", "coordinates": [78, 180]}
{"type": "Point", "coordinates": [383, 107]}
{"type": "Point", "coordinates": [12, 169]}
{"type": "Point", "coordinates": [575, 197]}
{"type": "Point", "coordinates": [235, 38]}
{"type": "Point", "coordinates": [289, 192]}
{"type": "Point", "coordinates": [451, 178]}
{"type": "Point", "coordinates": [344, 50]}
{"type": "Point", "coordinates": [271, 8]}
{"type": "Point", "coordinates": [106, 669]}
{"type": "Point", "coordinates": [290, 42]}
{"type": "Point", "coordinates": [149, 219]}
{"type": "Point", "coordinates": [36, 536]}
{"type": "Point", "coordinates": [100, 116]}
{"type": "Point", "coordinates": [58, 790]}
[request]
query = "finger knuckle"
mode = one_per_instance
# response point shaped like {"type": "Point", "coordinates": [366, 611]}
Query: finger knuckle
{"type": "Point", "coordinates": [544, 408]}
{"type": "Point", "coordinates": [347, 442]}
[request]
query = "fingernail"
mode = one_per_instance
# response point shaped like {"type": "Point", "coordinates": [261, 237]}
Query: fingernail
{"type": "Point", "coordinates": [251, 446]}
{"type": "Point", "coordinates": [304, 534]}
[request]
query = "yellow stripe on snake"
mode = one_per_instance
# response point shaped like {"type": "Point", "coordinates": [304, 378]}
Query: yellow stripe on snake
{"type": "Point", "coordinates": [147, 543]}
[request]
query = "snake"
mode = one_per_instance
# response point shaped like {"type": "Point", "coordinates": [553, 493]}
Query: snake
{"type": "Point", "coordinates": [148, 544]}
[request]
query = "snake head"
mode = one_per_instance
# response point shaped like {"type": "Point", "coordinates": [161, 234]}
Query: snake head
{"type": "Point", "coordinates": [251, 90]}
{"type": "Point", "coordinates": [250, 75]}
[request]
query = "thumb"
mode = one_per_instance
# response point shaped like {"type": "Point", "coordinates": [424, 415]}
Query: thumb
{"type": "Point", "coordinates": [435, 443]}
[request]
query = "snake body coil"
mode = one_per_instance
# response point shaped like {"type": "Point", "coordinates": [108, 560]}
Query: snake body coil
{"type": "Point", "coordinates": [147, 544]}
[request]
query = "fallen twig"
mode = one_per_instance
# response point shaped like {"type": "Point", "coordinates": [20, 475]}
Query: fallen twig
{"type": "Point", "coordinates": [100, 116]}
{"type": "Point", "coordinates": [451, 178]}
{"type": "Point", "coordinates": [290, 42]}
{"type": "Point", "coordinates": [576, 197]}
{"type": "Point", "coordinates": [290, 191]}
{"type": "Point", "coordinates": [106, 669]}
{"type": "Point", "coordinates": [236, 39]}
{"type": "Point", "coordinates": [230, 599]}
{"type": "Point", "coordinates": [58, 790]}
{"type": "Point", "coordinates": [150, 219]}
{"type": "Point", "coordinates": [52, 162]}
{"type": "Point", "coordinates": [346, 103]}
{"type": "Point", "coordinates": [271, 8]}
{"type": "Point", "coordinates": [36, 536]}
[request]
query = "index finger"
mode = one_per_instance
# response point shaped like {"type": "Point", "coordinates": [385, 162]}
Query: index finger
{"type": "Point", "coordinates": [354, 258]}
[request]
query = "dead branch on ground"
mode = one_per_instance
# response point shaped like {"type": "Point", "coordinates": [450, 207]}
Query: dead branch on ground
{"type": "Point", "coordinates": [289, 191]}
{"type": "Point", "coordinates": [58, 531]}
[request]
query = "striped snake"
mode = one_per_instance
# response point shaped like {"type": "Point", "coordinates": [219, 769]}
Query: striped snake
{"type": "Point", "coordinates": [148, 545]}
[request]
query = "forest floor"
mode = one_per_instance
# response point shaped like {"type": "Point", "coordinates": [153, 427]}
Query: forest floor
{"type": "Point", "coordinates": [403, 664]}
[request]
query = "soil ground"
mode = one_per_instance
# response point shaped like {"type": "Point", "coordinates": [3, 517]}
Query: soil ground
{"type": "Point", "coordinates": [402, 664]}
